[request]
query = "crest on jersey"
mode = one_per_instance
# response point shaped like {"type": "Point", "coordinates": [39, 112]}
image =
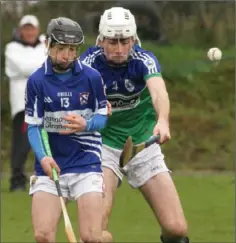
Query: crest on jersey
{"type": "Point", "coordinates": [83, 98]}
{"type": "Point", "coordinates": [149, 63]}
{"type": "Point", "coordinates": [129, 85]}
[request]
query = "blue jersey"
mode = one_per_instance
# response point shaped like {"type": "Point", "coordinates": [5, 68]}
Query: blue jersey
{"type": "Point", "coordinates": [48, 99]}
{"type": "Point", "coordinates": [126, 89]}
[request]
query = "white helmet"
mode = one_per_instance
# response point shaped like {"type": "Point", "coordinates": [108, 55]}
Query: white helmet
{"type": "Point", "coordinates": [117, 22]}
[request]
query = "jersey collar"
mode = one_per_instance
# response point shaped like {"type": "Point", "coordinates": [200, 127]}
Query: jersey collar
{"type": "Point", "coordinates": [49, 71]}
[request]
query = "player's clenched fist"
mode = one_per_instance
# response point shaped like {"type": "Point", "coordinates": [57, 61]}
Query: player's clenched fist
{"type": "Point", "coordinates": [162, 128]}
{"type": "Point", "coordinates": [76, 123]}
{"type": "Point", "coordinates": [47, 164]}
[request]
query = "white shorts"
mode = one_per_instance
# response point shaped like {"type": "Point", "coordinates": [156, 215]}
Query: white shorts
{"type": "Point", "coordinates": [73, 185]}
{"type": "Point", "coordinates": [140, 169]}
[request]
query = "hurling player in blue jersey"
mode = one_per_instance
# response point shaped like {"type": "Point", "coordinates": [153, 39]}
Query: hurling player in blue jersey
{"type": "Point", "coordinates": [140, 108]}
{"type": "Point", "coordinates": [62, 86]}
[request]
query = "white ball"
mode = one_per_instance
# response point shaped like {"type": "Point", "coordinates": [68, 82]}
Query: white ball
{"type": "Point", "coordinates": [214, 54]}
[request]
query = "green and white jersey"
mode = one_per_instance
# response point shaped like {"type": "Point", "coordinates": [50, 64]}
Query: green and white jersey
{"type": "Point", "coordinates": [132, 110]}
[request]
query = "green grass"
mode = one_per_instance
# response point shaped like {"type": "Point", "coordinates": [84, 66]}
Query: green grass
{"type": "Point", "coordinates": [208, 201]}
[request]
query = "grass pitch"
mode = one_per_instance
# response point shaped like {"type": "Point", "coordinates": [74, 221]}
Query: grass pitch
{"type": "Point", "coordinates": [208, 201]}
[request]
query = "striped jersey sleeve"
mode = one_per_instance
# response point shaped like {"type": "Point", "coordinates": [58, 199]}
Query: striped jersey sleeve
{"type": "Point", "coordinates": [88, 57]}
{"type": "Point", "coordinates": [100, 95]}
{"type": "Point", "coordinates": [149, 65]}
{"type": "Point", "coordinates": [34, 103]}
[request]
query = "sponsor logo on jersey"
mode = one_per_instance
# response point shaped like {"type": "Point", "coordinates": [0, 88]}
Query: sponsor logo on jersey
{"type": "Point", "coordinates": [121, 102]}
{"type": "Point", "coordinates": [64, 94]}
{"type": "Point", "coordinates": [83, 97]}
{"type": "Point", "coordinates": [53, 121]}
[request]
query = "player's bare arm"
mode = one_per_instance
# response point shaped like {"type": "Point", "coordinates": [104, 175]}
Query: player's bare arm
{"type": "Point", "coordinates": [161, 104]}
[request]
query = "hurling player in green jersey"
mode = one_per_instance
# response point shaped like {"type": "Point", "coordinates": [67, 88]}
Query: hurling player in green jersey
{"type": "Point", "coordinates": [140, 108]}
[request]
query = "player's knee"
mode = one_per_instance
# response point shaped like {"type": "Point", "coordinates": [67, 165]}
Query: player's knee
{"type": "Point", "coordinates": [176, 229]}
{"type": "Point", "coordinates": [41, 236]}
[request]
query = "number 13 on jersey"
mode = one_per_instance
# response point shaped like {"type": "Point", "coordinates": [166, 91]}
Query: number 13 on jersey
{"type": "Point", "coordinates": [65, 102]}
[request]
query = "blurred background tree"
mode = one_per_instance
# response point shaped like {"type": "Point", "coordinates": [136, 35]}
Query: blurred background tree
{"type": "Point", "coordinates": [196, 22]}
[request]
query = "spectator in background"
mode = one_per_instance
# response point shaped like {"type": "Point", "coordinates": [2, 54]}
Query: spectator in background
{"type": "Point", "coordinates": [23, 54]}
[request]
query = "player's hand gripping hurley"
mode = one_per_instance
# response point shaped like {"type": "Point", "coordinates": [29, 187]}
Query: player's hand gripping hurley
{"type": "Point", "coordinates": [130, 150]}
{"type": "Point", "coordinates": [68, 227]}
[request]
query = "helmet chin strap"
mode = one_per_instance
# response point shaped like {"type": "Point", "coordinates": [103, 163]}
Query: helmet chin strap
{"type": "Point", "coordinates": [58, 66]}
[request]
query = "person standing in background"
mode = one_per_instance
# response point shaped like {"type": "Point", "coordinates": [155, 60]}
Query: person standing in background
{"type": "Point", "coordinates": [23, 54]}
